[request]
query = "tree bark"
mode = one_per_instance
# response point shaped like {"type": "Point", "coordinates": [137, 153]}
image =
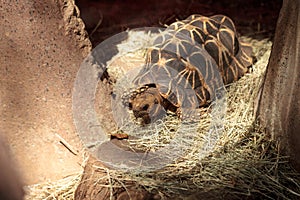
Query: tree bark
{"type": "Point", "coordinates": [279, 107]}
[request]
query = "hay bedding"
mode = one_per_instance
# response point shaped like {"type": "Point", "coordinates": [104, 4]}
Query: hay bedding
{"type": "Point", "coordinates": [246, 164]}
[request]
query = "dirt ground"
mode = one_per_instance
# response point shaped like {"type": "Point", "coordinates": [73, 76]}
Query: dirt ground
{"type": "Point", "coordinates": [39, 61]}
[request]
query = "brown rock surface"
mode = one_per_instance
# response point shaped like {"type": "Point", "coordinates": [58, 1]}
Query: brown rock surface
{"type": "Point", "coordinates": [279, 109]}
{"type": "Point", "coordinates": [42, 44]}
{"type": "Point", "coordinates": [97, 184]}
{"type": "Point", "coordinates": [10, 184]}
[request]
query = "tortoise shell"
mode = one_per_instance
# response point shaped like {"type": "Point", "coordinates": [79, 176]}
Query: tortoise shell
{"type": "Point", "coordinates": [186, 65]}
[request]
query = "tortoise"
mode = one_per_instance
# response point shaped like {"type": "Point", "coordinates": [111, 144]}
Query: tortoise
{"type": "Point", "coordinates": [186, 65]}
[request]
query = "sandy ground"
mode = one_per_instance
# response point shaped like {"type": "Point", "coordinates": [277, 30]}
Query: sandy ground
{"type": "Point", "coordinates": [38, 65]}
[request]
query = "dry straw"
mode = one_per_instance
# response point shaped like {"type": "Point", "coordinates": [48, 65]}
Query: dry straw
{"type": "Point", "coordinates": [246, 163]}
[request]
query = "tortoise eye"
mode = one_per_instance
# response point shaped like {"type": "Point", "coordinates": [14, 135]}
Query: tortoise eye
{"type": "Point", "coordinates": [155, 101]}
{"type": "Point", "coordinates": [145, 107]}
{"type": "Point", "coordinates": [130, 106]}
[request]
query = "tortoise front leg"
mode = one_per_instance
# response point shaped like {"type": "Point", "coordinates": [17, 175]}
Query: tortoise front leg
{"type": "Point", "coordinates": [189, 114]}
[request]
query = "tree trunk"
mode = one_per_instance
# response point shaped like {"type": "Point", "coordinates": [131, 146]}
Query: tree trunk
{"type": "Point", "coordinates": [279, 108]}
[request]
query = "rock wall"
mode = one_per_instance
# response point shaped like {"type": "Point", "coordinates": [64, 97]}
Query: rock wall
{"type": "Point", "coordinates": [42, 44]}
{"type": "Point", "coordinates": [10, 184]}
{"type": "Point", "coordinates": [279, 109]}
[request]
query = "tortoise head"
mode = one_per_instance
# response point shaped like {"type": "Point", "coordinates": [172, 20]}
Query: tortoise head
{"type": "Point", "coordinates": [147, 104]}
